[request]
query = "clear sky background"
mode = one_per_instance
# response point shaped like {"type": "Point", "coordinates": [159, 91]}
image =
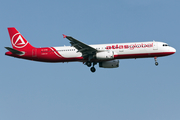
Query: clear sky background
{"type": "Point", "coordinates": [137, 90]}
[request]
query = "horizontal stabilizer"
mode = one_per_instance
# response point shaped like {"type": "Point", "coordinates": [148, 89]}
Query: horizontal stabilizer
{"type": "Point", "coordinates": [14, 51]}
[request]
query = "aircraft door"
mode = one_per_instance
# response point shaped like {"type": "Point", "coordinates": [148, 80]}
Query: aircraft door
{"type": "Point", "coordinates": [34, 52]}
{"type": "Point", "coordinates": [155, 45]}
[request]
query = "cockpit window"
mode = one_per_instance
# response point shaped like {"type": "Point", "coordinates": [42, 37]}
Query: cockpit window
{"type": "Point", "coordinates": [165, 45]}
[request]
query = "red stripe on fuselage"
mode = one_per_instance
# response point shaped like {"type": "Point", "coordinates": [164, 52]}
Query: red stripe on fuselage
{"type": "Point", "coordinates": [56, 52]}
{"type": "Point", "coordinates": [142, 55]}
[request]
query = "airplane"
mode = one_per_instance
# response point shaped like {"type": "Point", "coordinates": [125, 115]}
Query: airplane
{"type": "Point", "coordinates": [107, 55]}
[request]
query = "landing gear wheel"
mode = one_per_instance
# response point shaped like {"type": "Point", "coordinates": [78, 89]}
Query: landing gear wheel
{"type": "Point", "coordinates": [93, 69]}
{"type": "Point", "coordinates": [88, 63]}
{"type": "Point", "coordinates": [156, 63]}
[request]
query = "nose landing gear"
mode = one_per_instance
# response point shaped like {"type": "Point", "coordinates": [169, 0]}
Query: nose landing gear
{"type": "Point", "coordinates": [156, 63]}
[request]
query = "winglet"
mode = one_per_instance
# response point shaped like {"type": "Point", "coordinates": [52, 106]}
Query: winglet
{"type": "Point", "coordinates": [64, 36]}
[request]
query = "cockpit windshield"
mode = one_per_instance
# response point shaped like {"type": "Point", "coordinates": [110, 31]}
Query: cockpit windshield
{"type": "Point", "coordinates": [165, 45]}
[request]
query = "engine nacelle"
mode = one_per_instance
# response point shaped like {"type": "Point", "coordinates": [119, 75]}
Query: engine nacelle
{"type": "Point", "coordinates": [109, 64]}
{"type": "Point", "coordinates": [105, 55]}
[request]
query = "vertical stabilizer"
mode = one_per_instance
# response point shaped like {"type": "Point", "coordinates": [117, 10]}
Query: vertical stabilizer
{"type": "Point", "coordinates": [18, 41]}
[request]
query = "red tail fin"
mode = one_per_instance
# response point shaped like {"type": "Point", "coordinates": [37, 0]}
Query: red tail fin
{"type": "Point", "coordinates": [18, 41]}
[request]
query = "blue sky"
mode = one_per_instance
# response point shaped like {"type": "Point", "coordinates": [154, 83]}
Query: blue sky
{"type": "Point", "coordinates": [137, 90]}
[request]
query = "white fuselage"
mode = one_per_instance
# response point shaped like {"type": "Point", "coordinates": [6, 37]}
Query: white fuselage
{"type": "Point", "coordinates": [121, 49]}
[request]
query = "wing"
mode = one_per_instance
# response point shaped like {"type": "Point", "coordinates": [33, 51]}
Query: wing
{"type": "Point", "coordinates": [86, 50]}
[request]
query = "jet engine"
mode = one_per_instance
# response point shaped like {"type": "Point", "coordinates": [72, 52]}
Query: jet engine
{"type": "Point", "coordinates": [105, 55]}
{"type": "Point", "coordinates": [109, 64]}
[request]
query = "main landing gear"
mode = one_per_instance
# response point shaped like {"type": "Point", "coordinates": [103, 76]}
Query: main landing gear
{"type": "Point", "coordinates": [93, 69]}
{"type": "Point", "coordinates": [88, 63]}
{"type": "Point", "coordinates": [156, 63]}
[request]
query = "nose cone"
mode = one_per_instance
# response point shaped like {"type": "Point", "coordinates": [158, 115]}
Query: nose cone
{"type": "Point", "coordinates": [173, 50]}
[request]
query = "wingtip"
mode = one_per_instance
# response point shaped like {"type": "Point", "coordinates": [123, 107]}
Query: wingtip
{"type": "Point", "coordinates": [64, 36]}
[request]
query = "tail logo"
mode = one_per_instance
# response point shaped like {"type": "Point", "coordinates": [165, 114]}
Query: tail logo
{"type": "Point", "coordinates": [18, 41]}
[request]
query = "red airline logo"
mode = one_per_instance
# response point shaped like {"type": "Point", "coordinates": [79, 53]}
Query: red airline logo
{"type": "Point", "coordinates": [18, 41]}
{"type": "Point", "coordinates": [131, 47]}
